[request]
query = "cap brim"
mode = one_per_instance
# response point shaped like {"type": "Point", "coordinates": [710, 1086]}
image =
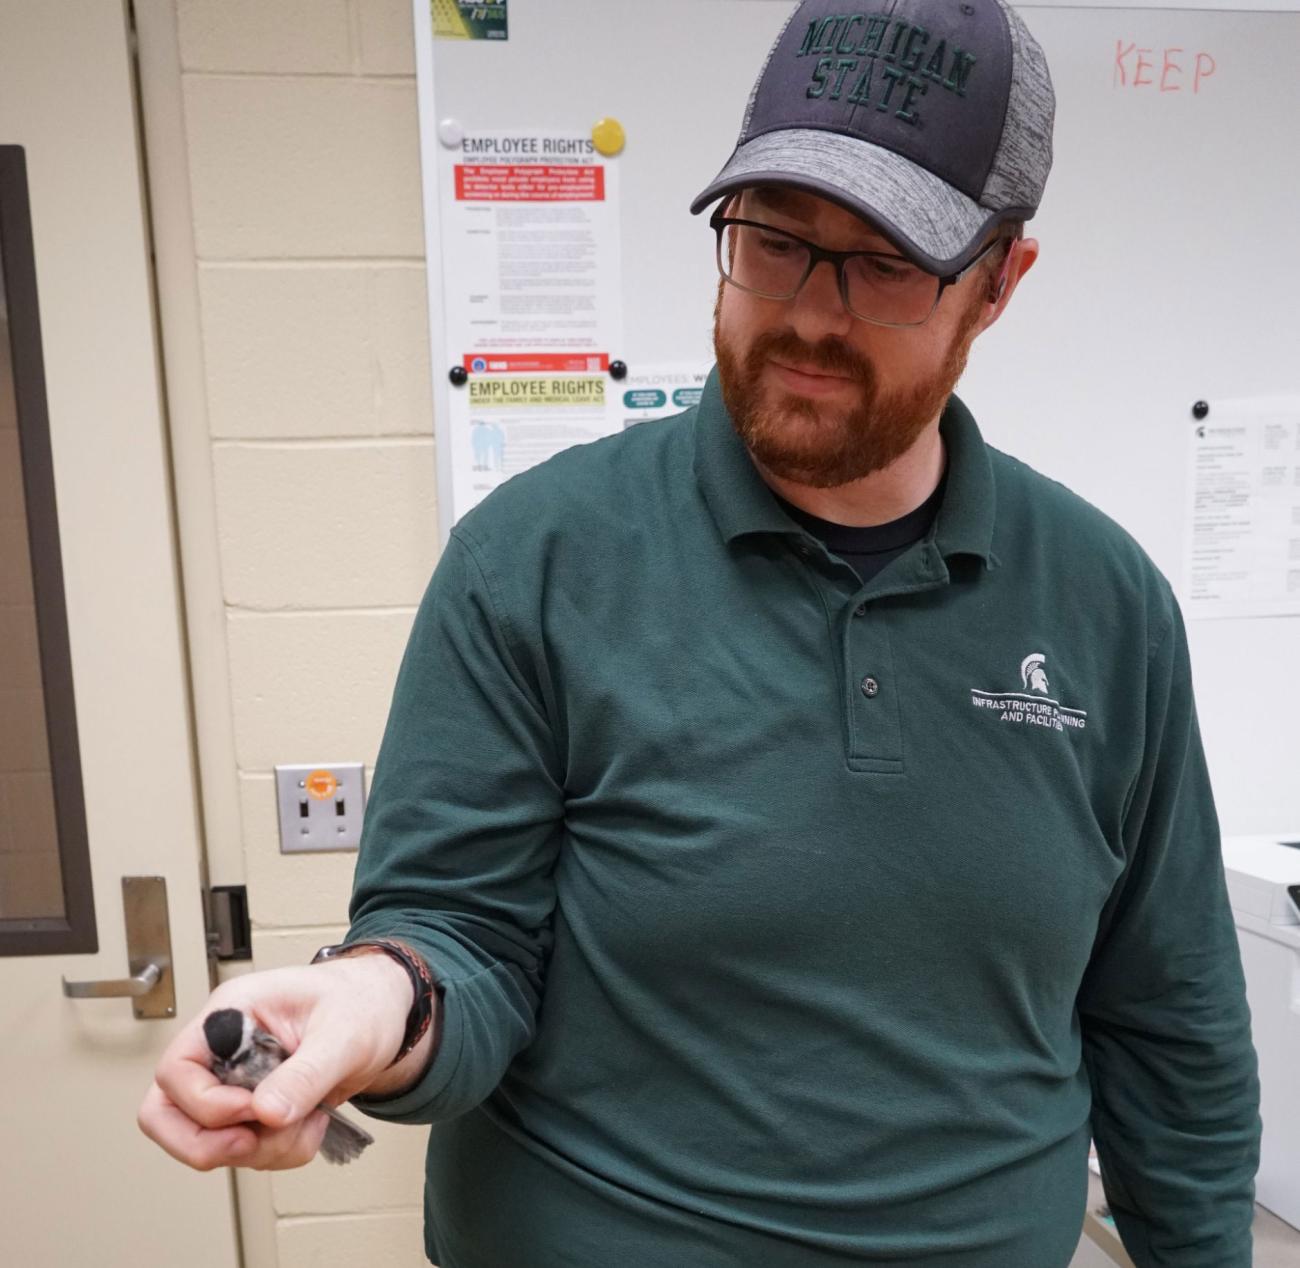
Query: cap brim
{"type": "Point", "coordinates": [929, 221]}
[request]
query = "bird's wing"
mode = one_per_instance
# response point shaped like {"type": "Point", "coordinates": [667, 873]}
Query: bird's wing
{"type": "Point", "coordinates": [264, 1039]}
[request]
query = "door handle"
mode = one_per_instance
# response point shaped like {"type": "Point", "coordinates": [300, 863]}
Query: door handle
{"type": "Point", "coordinates": [152, 985]}
{"type": "Point", "coordinates": [111, 988]}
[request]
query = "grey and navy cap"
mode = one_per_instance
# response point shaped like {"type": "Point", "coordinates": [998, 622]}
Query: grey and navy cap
{"type": "Point", "coordinates": [930, 119]}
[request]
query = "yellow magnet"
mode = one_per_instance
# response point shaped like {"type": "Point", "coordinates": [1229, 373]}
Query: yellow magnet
{"type": "Point", "coordinates": [609, 137]}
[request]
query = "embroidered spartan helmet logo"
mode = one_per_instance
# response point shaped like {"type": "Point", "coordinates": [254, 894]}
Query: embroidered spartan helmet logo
{"type": "Point", "coordinates": [1032, 673]}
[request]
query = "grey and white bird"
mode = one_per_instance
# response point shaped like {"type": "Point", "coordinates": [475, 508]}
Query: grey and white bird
{"type": "Point", "coordinates": [243, 1055]}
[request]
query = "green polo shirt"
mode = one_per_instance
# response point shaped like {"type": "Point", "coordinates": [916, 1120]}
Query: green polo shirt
{"type": "Point", "coordinates": [792, 922]}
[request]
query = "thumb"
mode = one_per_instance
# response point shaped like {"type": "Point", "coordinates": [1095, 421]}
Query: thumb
{"type": "Point", "coordinates": [300, 1083]}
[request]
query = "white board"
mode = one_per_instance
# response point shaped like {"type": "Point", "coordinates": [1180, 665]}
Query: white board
{"type": "Point", "coordinates": [1169, 270]}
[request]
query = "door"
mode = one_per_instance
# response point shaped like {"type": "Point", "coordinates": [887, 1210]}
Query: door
{"type": "Point", "coordinates": [96, 768]}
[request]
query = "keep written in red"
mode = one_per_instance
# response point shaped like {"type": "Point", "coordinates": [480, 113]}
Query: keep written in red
{"type": "Point", "coordinates": [1134, 69]}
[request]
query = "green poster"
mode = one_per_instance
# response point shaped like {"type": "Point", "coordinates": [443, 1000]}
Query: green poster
{"type": "Point", "coordinates": [469, 19]}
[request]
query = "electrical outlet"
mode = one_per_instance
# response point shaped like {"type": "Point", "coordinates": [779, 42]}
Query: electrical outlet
{"type": "Point", "coordinates": [320, 806]}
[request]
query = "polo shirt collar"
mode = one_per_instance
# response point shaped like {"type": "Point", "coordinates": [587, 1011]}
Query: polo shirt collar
{"type": "Point", "coordinates": [741, 502]}
{"type": "Point", "coordinates": [965, 522]}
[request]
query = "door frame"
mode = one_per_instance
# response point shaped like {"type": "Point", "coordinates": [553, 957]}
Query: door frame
{"type": "Point", "coordinates": [160, 104]}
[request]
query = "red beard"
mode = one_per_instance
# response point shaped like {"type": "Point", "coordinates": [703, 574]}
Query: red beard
{"type": "Point", "coordinates": [816, 443]}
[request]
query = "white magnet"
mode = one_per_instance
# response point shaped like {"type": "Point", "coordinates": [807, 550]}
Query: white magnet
{"type": "Point", "coordinates": [450, 133]}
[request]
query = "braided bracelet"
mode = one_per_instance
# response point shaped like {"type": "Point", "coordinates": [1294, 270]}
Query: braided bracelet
{"type": "Point", "coordinates": [422, 984]}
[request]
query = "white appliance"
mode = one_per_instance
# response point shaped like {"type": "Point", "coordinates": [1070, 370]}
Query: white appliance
{"type": "Point", "coordinates": [1258, 871]}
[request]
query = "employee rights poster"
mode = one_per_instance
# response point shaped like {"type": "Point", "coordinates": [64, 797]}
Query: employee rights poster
{"type": "Point", "coordinates": [518, 420]}
{"type": "Point", "coordinates": [532, 280]}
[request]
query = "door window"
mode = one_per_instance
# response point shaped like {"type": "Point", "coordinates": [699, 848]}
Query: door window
{"type": "Point", "coordinates": [45, 897]}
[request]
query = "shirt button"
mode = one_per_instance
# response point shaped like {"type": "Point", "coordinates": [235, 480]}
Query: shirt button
{"type": "Point", "coordinates": [860, 610]}
{"type": "Point", "coordinates": [804, 549]}
{"type": "Point", "coordinates": [870, 687]}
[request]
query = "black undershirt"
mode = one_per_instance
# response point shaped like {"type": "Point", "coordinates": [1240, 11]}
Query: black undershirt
{"type": "Point", "coordinates": [868, 549]}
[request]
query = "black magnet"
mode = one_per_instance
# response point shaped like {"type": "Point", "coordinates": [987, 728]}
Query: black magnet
{"type": "Point", "coordinates": [1200, 409]}
{"type": "Point", "coordinates": [618, 369]}
{"type": "Point", "coordinates": [458, 375]}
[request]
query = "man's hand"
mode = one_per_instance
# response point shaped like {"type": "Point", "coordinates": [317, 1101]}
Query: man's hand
{"type": "Point", "coordinates": [342, 1020]}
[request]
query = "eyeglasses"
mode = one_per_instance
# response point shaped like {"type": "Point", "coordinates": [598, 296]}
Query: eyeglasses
{"type": "Point", "coordinates": [884, 289]}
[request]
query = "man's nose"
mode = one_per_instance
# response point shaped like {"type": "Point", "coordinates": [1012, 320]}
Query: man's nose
{"type": "Point", "coordinates": [818, 308]}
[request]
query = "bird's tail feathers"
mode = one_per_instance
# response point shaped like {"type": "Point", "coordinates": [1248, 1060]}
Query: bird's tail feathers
{"type": "Point", "coordinates": [344, 1140]}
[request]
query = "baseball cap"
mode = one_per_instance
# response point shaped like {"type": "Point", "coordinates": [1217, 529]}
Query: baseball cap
{"type": "Point", "coordinates": [930, 119]}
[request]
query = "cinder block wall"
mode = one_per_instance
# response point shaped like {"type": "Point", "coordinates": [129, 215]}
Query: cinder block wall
{"type": "Point", "coordinates": [301, 131]}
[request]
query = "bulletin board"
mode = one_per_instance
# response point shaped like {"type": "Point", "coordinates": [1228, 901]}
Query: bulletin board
{"type": "Point", "coordinates": [1169, 273]}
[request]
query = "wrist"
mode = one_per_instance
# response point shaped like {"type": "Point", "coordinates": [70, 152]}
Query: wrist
{"type": "Point", "coordinates": [382, 975]}
{"type": "Point", "coordinates": [405, 966]}
{"type": "Point", "coordinates": [403, 1076]}
{"type": "Point", "coordinates": [379, 1000]}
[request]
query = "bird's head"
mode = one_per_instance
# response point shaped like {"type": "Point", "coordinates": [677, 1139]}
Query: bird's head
{"type": "Point", "coordinates": [228, 1032]}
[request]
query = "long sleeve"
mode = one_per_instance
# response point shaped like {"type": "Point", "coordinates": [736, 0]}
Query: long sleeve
{"type": "Point", "coordinates": [1163, 1012]}
{"type": "Point", "coordinates": [461, 834]}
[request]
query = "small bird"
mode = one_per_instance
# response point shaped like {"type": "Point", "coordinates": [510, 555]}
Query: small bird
{"type": "Point", "coordinates": [243, 1055]}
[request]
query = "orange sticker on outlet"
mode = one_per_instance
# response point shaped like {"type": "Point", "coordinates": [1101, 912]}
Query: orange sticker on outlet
{"type": "Point", "coordinates": [322, 785]}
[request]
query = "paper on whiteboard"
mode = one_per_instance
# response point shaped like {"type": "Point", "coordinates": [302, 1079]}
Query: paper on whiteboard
{"type": "Point", "coordinates": [470, 20]}
{"type": "Point", "coordinates": [532, 279]}
{"type": "Point", "coordinates": [530, 248]}
{"type": "Point", "coordinates": [1243, 551]}
{"type": "Point", "coordinates": [659, 391]}
{"type": "Point", "coordinates": [504, 424]}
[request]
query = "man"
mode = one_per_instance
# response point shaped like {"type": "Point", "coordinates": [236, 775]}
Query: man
{"type": "Point", "coordinates": [798, 804]}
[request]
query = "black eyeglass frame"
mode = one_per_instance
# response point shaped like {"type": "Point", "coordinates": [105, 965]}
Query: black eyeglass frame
{"type": "Point", "coordinates": [838, 259]}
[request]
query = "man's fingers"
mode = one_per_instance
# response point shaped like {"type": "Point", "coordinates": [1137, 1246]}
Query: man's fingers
{"type": "Point", "coordinates": [211, 1106]}
{"type": "Point", "coordinates": [187, 1141]}
{"type": "Point", "coordinates": [188, 1083]}
{"type": "Point", "coordinates": [293, 1089]}
{"type": "Point", "coordinates": [259, 1148]}
{"type": "Point", "coordinates": [293, 1146]}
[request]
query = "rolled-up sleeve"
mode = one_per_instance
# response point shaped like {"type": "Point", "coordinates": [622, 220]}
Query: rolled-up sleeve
{"type": "Point", "coordinates": [461, 834]}
{"type": "Point", "coordinates": [1162, 1007]}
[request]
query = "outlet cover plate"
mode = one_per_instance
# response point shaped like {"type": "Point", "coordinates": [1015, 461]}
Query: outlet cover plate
{"type": "Point", "coordinates": [321, 806]}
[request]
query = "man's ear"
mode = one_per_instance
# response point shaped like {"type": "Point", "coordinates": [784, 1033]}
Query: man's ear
{"type": "Point", "coordinates": [1020, 259]}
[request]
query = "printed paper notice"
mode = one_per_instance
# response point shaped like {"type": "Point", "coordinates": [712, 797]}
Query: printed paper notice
{"type": "Point", "coordinates": [504, 424]}
{"type": "Point", "coordinates": [1244, 541]}
{"type": "Point", "coordinates": [659, 391]}
{"type": "Point", "coordinates": [533, 289]}
{"type": "Point", "coordinates": [470, 19]}
{"type": "Point", "coordinates": [530, 258]}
